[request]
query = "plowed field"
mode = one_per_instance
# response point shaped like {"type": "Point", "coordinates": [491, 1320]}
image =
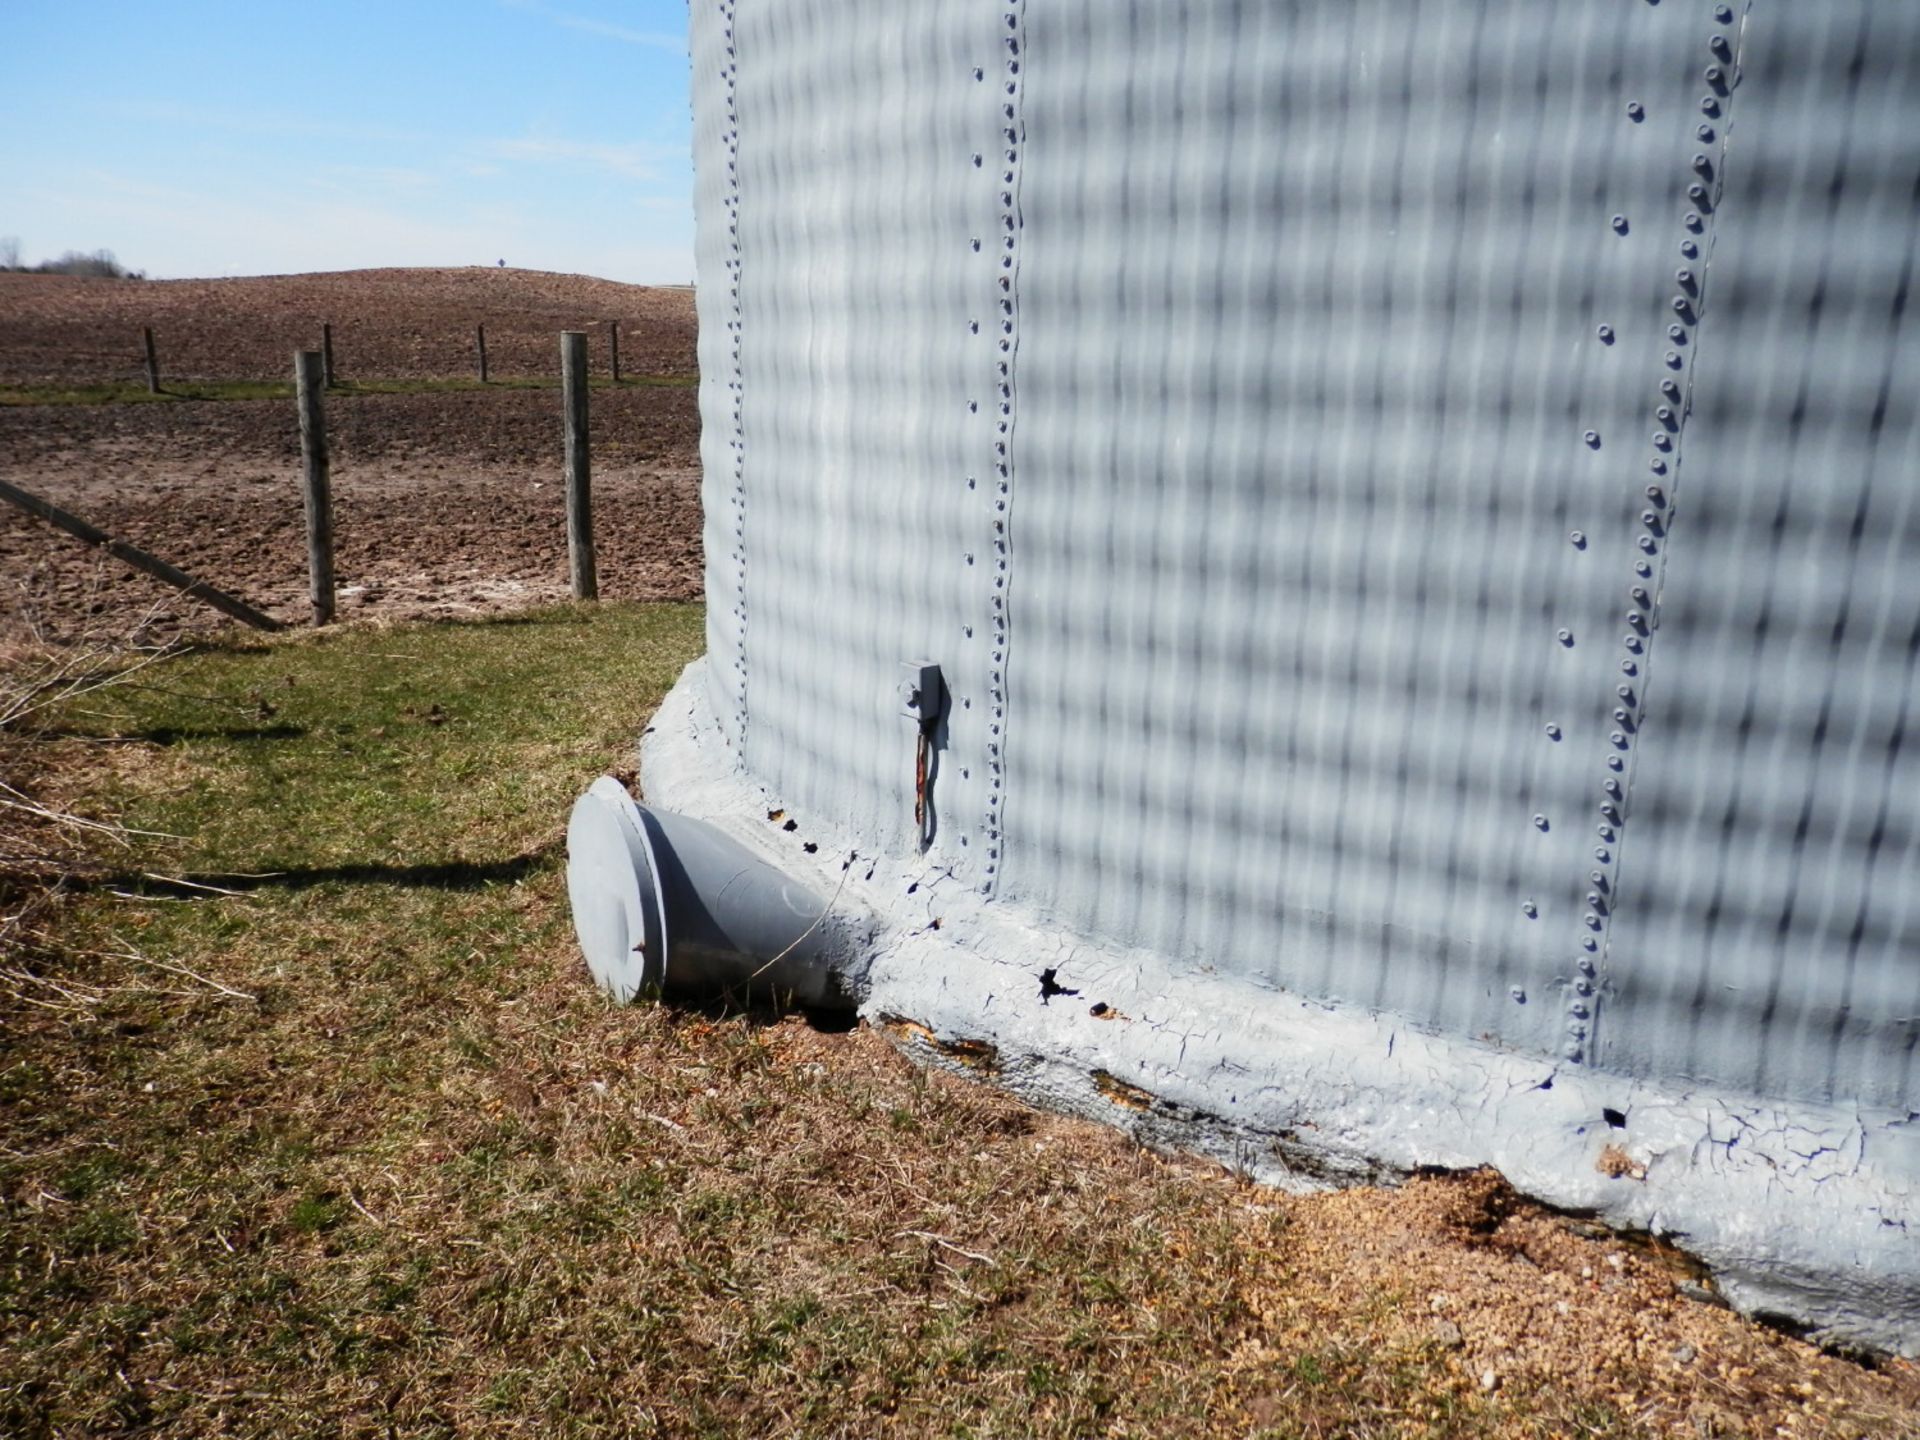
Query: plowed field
{"type": "Point", "coordinates": [387, 324]}
{"type": "Point", "coordinates": [446, 501]}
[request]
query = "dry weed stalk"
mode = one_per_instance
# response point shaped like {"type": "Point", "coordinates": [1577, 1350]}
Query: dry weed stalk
{"type": "Point", "coordinates": [44, 843]}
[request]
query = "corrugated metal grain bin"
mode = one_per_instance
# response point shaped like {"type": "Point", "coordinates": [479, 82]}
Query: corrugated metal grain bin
{"type": "Point", "coordinates": [1415, 511]}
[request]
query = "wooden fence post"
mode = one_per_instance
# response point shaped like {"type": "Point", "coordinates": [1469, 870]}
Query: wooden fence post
{"type": "Point", "coordinates": [480, 338]}
{"type": "Point", "coordinates": [153, 362]}
{"type": "Point", "coordinates": [573, 385]}
{"type": "Point", "coordinates": [613, 339]}
{"type": "Point", "coordinates": [310, 378]}
{"type": "Point", "coordinates": [326, 354]}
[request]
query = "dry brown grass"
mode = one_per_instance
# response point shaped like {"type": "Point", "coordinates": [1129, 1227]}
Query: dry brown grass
{"type": "Point", "coordinates": [372, 1158]}
{"type": "Point", "coordinates": [51, 825]}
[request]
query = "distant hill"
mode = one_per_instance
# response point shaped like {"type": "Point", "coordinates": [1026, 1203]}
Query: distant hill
{"type": "Point", "coordinates": [391, 324]}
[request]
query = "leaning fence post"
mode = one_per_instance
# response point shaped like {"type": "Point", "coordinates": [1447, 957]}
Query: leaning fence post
{"type": "Point", "coordinates": [153, 362]}
{"type": "Point", "coordinates": [613, 340]}
{"type": "Point", "coordinates": [139, 559]}
{"type": "Point", "coordinates": [573, 385]}
{"type": "Point", "coordinates": [480, 339]}
{"type": "Point", "coordinates": [310, 377]}
{"type": "Point", "coordinates": [326, 353]}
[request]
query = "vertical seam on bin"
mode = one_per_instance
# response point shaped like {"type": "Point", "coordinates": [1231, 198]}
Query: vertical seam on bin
{"type": "Point", "coordinates": [1671, 410]}
{"type": "Point", "coordinates": [736, 391]}
{"type": "Point", "coordinates": [1005, 255]}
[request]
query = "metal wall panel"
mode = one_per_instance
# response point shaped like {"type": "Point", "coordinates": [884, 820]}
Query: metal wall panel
{"type": "Point", "coordinates": [717, 302]}
{"type": "Point", "coordinates": [867, 414]}
{"type": "Point", "coordinates": [1255, 408]}
{"type": "Point", "coordinates": [1308, 361]}
{"type": "Point", "coordinates": [1768, 933]}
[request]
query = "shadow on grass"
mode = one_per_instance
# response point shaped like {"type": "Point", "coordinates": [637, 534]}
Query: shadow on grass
{"type": "Point", "coordinates": [755, 1006]}
{"type": "Point", "coordinates": [448, 875]}
{"type": "Point", "coordinates": [173, 735]}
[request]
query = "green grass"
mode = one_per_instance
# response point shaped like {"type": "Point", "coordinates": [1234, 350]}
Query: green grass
{"type": "Point", "coordinates": [310, 1124]}
{"type": "Point", "coordinates": [135, 392]}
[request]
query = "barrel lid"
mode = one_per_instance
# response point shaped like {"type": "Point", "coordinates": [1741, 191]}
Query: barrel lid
{"type": "Point", "coordinates": [613, 882]}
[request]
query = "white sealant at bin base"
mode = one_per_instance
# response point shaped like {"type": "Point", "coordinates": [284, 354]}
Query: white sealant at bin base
{"type": "Point", "coordinates": [1804, 1213]}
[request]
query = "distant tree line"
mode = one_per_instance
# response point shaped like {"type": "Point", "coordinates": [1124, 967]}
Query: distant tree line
{"type": "Point", "coordinates": [102, 263]}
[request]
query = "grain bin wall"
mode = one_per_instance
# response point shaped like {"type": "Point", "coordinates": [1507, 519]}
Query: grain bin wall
{"type": "Point", "coordinates": [1415, 507]}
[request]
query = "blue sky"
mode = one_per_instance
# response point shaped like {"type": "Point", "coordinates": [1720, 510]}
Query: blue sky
{"type": "Point", "coordinates": [213, 137]}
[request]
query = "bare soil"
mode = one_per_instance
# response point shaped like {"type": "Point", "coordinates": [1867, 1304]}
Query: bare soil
{"type": "Point", "coordinates": [445, 502]}
{"type": "Point", "coordinates": [390, 324]}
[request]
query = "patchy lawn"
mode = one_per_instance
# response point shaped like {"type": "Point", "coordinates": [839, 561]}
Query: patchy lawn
{"type": "Point", "coordinates": [310, 1124]}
